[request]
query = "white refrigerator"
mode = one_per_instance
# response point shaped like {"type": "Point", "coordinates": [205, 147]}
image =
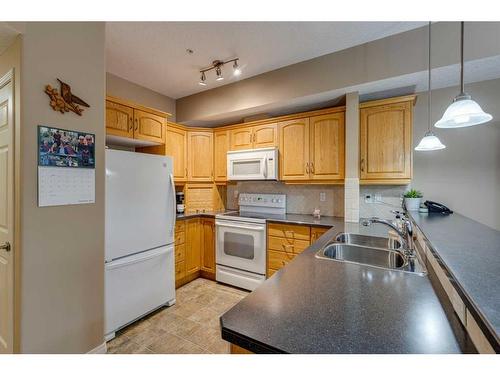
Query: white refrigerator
{"type": "Point", "coordinates": [139, 250]}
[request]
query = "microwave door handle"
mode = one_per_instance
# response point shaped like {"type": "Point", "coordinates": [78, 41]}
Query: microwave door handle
{"type": "Point", "coordinates": [265, 167]}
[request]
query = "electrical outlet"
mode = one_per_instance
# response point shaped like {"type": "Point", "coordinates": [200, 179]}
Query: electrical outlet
{"type": "Point", "coordinates": [235, 194]}
{"type": "Point", "coordinates": [378, 197]}
{"type": "Point", "coordinates": [322, 197]}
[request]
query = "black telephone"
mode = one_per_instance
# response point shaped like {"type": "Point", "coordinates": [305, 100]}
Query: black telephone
{"type": "Point", "coordinates": [437, 207]}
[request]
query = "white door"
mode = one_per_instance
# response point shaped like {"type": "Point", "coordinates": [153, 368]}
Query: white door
{"type": "Point", "coordinates": [6, 215]}
{"type": "Point", "coordinates": [241, 245]}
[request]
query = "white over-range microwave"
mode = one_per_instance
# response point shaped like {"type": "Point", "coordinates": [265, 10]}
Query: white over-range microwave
{"type": "Point", "coordinates": [255, 164]}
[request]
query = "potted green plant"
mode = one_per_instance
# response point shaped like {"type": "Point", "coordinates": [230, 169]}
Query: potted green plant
{"type": "Point", "coordinates": [412, 199]}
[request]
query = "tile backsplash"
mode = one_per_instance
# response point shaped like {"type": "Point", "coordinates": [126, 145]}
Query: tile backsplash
{"type": "Point", "coordinates": [301, 199]}
{"type": "Point", "coordinates": [385, 199]}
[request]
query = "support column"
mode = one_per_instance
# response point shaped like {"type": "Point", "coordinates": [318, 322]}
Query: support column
{"type": "Point", "coordinates": [351, 186]}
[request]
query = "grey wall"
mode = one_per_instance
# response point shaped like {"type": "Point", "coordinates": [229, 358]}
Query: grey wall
{"type": "Point", "coordinates": [62, 248]}
{"type": "Point", "coordinates": [397, 55]}
{"type": "Point", "coordinates": [117, 86]}
{"type": "Point", "coordinates": [466, 175]}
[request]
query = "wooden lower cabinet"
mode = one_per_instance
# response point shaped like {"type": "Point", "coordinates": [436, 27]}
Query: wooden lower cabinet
{"type": "Point", "coordinates": [194, 250]}
{"type": "Point", "coordinates": [208, 247]}
{"type": "Point", "coordinates": [286, 241]}
{"type": "Point", "coordinates": [235, 349]}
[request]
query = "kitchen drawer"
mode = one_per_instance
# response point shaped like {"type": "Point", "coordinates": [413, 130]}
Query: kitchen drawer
{"type": "Point", "coordinates": [278, 259]}
{"type": "Point", "coordinates": [180, 270]}
{"type": "Point", "coordinates": [179, 237]}
{"type": "Point", "coordinates": [180, 252]}
{"type": "Point", "coordinates": [317, 232]}
{"type": "Point", "coordinates": [180, 226]}
{"type": "Point", "coordinates": [271, 272]}
{"type": "Point", "coordinates": [286, 245]}
{"type": "Point", "coordinates": [456, 301]}
{"type": "Point", "coordinates": [294, 232]}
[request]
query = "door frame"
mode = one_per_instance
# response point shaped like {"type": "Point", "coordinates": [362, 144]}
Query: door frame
{"type": "Point", "coordinates": [9, 77]}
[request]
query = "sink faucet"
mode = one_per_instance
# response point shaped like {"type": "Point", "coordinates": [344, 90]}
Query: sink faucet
{"type": "Point", "coordinates": [406, 234]}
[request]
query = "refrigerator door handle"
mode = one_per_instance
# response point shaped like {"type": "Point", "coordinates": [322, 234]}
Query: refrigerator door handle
{"type": "Point", "coordinates": [174, 203]}
{"type": "Point", "coordinates": [141, 257]}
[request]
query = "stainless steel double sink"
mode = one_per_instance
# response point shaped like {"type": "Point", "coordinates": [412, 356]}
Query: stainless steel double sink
{"type": "Point", "coordinates": [371, 251]}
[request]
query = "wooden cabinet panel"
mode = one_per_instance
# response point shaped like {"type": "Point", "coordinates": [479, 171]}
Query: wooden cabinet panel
{"type": "Point", "coordinates": [179, 237]}
{"type": "Point", "coordinates": [265, 135]}
{"type": "Point", "coordinates": [317, 232]}
{"type": "Point", "coordinates": [221, 147]}
{"type": "Point", "coordinates": [176, 145]}
{"type": "Point", "coordinates": [180, 226]}
{"type": "Point", "coordinates": [241, 138]}
{"type": "Point", "coordinates": [180, 270]}
{"type": "Point", "coordinates": [327, 146]}
{"type": "Point", "coordinates": [149, 127]}
{"type": "Point", "coordinates": [208, 245]}
{"type": "Point", "coordinates": [385, 141]}
{"type": "Point", "coordinates": [180, 252]}
{"type": "Point", "coordinates": [278, 259]}
{"type": "Point", "coordinates": [119, 120]}
{"type": "Point", "coordinates": [200, 151]}
{"type": "Point", "coordinates": [289, 231]}
{"type": "Point", "coordinates": [193, 246]}
{"type": "Point", "coordinates": [294, 149]}
{"type": "Point", "coordinates": [287, 245]}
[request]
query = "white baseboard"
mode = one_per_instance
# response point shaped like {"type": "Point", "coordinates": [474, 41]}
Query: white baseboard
{"type": "Point", "coordinates": [101, 349]}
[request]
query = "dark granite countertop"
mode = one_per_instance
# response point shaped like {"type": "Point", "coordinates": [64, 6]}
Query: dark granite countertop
{"type": "Point", "coordinates": [470, 252]}
{"type": "Point", "coordinates": [322, 306]}
{"type": "Point", "coordinates": [191, 215]}
{"type": "Point", "coordinates": [324, 221]}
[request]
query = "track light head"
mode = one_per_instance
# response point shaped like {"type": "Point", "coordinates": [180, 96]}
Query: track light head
{"type": "Point", "coordinates": [218, 72]}
{"type": "Point", "coordinates": [203, 79]}
{"type": "Point", "coordinates": [236, 68]}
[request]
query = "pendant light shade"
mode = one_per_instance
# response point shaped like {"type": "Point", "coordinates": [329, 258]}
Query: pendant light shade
{"type": "Point", "coordinates": [430, 143]}
{"type": "Point", "coordinates": [463, 111]}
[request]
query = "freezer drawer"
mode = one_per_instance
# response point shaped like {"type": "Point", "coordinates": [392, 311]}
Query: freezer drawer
{"type": "Point", "coordinates": [136, 285]}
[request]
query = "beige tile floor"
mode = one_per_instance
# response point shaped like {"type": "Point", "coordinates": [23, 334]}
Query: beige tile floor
{"type": "Point", "coordinates": [191, 326]}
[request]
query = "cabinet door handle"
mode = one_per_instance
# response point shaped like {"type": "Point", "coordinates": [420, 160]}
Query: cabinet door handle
{"type": "Point", "coordinates": [307, 168]}
{"type": "Point", "coordinates": [136, 125]}
{"type": "Point", "coordinates": [5, 246]}
{"type": "Point", "coordinates": [362, 165]}
{"type": "Point", "coordinates": [312, 167]}
{"type": "Point", "coordinates": [131, 125]}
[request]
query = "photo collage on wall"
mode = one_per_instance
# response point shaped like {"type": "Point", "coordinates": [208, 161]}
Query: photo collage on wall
{"type": "Point", "coordinates": [65, 148]}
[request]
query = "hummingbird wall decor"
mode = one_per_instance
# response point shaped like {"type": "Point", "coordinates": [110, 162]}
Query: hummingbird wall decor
{"type": "Point", "coordinates": [65, 101]}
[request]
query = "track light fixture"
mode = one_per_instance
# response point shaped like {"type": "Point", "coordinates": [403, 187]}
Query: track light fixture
{"type": "Point", "coordinates": [217, 66]}
{"type": "Point", "coordinates": [203, 78]}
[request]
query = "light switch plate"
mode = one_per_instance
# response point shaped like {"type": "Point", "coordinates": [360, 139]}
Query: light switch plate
{"type": "Point", "coordinates": [322, 197]}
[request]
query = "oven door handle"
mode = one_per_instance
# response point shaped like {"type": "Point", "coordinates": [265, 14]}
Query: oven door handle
{"type": "Point", "coordinates": [238, 226]}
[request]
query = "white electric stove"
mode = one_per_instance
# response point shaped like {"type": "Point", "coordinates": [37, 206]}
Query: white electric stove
{"type": "Point", "coordinates": [241, 239]}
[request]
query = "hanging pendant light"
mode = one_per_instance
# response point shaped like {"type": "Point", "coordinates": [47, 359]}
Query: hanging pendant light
{"type": "Point", "coordinates": [463, 111]}
{"type": "Point", "coordinates": [429, 142]}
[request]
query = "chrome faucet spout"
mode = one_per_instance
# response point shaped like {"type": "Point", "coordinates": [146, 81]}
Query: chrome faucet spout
{"type": "Point", "coordinates": [406, 234]}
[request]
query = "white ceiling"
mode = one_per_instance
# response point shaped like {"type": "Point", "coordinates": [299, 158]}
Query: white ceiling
{"type": "Point", "coordinates": [153, 54]}
{"type": "Point", "coordinates": [7, 36]}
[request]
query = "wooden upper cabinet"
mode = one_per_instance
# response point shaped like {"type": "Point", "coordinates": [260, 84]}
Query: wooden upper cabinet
{"type": "Point", "coordinates": [177, 148]}
{"type": "Point", "coordinates": [259, 136]}
{"type": "Point", "coordinates": [265, 135]}
{"type": "Point", "coordinates": [149, 127]}
{"type": "Point", "coordinates": [221, 147]}
{"type": "Point", "coordinates": [294, 149]}
{"type": "Point", "coordinates": [241, 138]}
{"type": "Point", "coordinates": [327, 146]}
{"type": "Point", "coordinates": [208, 245]}
{"type": "Point", "coordinates": [119, 120]}
{"type": "Point", "coordinates": [201, 156]}
{"type": "Point", "coordinates": [385, 141]}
